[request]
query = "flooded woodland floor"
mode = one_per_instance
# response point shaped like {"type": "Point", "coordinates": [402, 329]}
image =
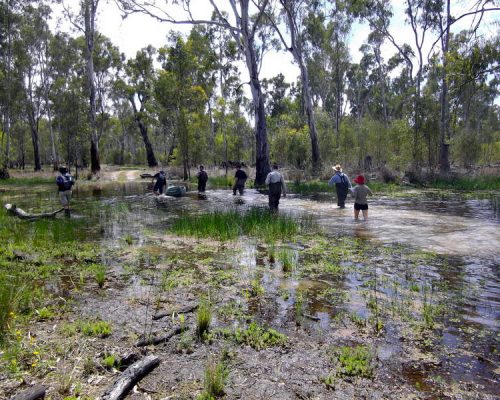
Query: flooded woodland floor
{"type": "Point", "coordinates": [402, 306]}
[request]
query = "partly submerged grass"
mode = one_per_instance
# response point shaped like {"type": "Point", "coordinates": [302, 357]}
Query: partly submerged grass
{"type": "Point", "coordinates": [466, 183]}
{"type": "Point", "coordinates": [29, 181]}
{"type": "Point", "coordinates": [310, 187]}
{"type": "Point", "coordinates": [220, 225]}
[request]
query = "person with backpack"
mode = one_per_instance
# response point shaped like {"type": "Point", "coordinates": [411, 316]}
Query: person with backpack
{"type": "Point", "coordinates": [277, 186]}
{"type": "Point", "coordinates": [202, 179]}
{"type": "Point", "coordinates": [64, 184]}
{"type": "Point", "coordinates": [161, 182]}
{"type": "Point", "coordinates": [240, 178]}
{"type": "Point", "coordinates": [342, 185]}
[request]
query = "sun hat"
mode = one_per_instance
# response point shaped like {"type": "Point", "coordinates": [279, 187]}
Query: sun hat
{"type": "Point", "coordinates": [337, 168]}
{"type": "Point", "coordinates": [360, 180]}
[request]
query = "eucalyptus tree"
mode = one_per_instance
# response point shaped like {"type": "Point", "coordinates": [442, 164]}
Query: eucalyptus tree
{"type": "Point", "coordinates": [180, 88]}
{"type": "Point", "coordinates": [30, 60]}
{"type": "Point", "coordinates": [327, 33]}
{"type": "Point", "coordinates": [85, 22]}
{"type": "Point", "coordinates": [248, 32]}
{"type": "Point", "coordinates": [137, 87]}
{"type": "Point", "coordinates": [68, 98]}
{"type": "Point", "coordinates": [9, 85]}
{"type": "Point", "coordinates": [295, 12]}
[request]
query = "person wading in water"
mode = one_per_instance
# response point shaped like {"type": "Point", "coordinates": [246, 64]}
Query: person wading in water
{"type": "Point", "coordinates": [161, 182]}
{"type": "Point", "coordinates": [64, 183]}
{"type": "Point", "coordinates": [342, 185]}
{"type": "Point", "coordinates": [202, 179]}
{"type": "Point", "coordinates": [240, 179]}
{"type": "Point", "coordinates": [276, 184]}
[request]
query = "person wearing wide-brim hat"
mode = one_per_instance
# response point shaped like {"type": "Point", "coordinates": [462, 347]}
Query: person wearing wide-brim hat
{"type": "Point", "coordinates": [360, 192]}
{"type": "Point", "coordinates": [342, 185]}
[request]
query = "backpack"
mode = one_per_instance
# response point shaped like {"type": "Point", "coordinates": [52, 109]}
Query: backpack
{"type": "Point", "coordinates": [65, 182]}
{"type": "Point", "coordinates": [162, 178]}
{"type": "Point", "coordinates": [344, 182]}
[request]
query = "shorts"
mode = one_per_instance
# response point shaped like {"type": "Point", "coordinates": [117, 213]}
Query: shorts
{"type": "Point", "coordinates": [360, 206]}
{"type": "Point", "coordinates": [65, 197]}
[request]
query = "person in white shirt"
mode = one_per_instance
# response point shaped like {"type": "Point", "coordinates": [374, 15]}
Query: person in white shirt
{"type": "Point", "coordinates": [277, 186]}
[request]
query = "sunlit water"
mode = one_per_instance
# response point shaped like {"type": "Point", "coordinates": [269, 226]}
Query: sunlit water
{"type": "Point", "coordinates": [464, 231]}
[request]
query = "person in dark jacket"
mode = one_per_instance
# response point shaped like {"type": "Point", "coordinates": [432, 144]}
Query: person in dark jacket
{"type": "Point", "coordinates": [240, 178]}
{"type": "Point", "coordinates": [277, 186]}
{"type": "Point", "coordinates": [161, 182]}
{"type": "Point", "coordinates": [65, 183]}
{"type": "Point", "coordinates": [202, 179]}
{"type": "Point", "coordinates": [342, 185]}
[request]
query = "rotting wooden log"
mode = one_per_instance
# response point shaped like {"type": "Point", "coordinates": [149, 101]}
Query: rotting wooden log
{"type": "Point", "coordinates": [13, 210]}
{"type": "Point", "coordinates": [161, 339]}
{"type": "Point", "coordinates": [313, 317]}
{"type": "Point", "coordinates": [33, 393]}
{"type": "Point", "coordinates": [130, 377]}
{"type": "Point", "coordinates": [183, 310]}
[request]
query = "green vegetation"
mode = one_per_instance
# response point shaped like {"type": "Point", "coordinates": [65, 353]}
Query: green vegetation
{"type": "Point", "coordinates": [229, 225]}
{"type": "Point", "coordinates": [466, 183]}
{"type": "Point", "coordinates": [287, 258]}
{"type": "Point", "coordinates": [203, 318]}
{"type": "Point", "coordinates": [97, 328]}
{"type": "Point", "coordinates": [99, 271]}
{"type": "Point", "coordinates": [215, 377]}
{"type": "Point", "coordinates": [353, 361]}
{"type": "Point", "coordinates": [110, 361]}
{"type": "Point", "coordinates": [30, 181]}
{"type": "Point", "coordinates": [309, 187]}
{"type": "Point", "coordinates": [259, 338]}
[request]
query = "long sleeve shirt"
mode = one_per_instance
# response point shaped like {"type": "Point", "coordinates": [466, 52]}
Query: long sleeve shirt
{"type": "Point", "coordinates": [337, 179]}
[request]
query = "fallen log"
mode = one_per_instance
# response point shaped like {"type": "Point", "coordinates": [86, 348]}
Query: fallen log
{"type": "Point", "coordinates": [130, 377]}
{"type": "Point", "coordinates": [183, 310]}
{"type": "Point", "coordinates": [13, 210]}
{"type": "Point", "coordinates": [33, 393]}
{"type": "Point", "coordinates": [161, 339]}
{"type": "Point", "coordinates": [144, 176]}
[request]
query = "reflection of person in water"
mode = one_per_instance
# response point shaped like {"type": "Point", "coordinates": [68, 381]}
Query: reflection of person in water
{"type": "Point", "coordinates": [161, 182]}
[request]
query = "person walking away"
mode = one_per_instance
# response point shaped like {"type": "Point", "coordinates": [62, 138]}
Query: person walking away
{"type": "Point", "coordinates": [240, 178]}
{"type": "Point", "coordinates": [276, 184]}
{"type": "Point", "coordinates": [342, 185]}
{"type": "Point", "coordinates": [202, 179]}
{"type": "Point", "coordinates": [161, 182]}
{"type": "Point", "coordinates": [64, 184]}
{"type": "Point", "coordinates": [360, 192]}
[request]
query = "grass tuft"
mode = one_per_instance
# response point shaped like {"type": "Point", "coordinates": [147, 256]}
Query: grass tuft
{"type": "Point", "coordinates": [257, 222]}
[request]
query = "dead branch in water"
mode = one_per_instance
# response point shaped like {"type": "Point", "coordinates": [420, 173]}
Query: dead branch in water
{"type": "Point", "coordinates": [161, 339]}
{"type": "Point", "coordinates": [183, 310]}
{"type": "Point", "coordinates": [13, 210]}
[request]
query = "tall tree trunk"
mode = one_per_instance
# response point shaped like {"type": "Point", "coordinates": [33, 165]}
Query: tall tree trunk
{"type": "Point", "coordinates": [444, 162]}
{"type": "Point", "coordinates": [36, 149]}
{"type": "Point", "coordinates": [262, 167]}
{"type": "Point", "coordinates": [89, 15]}
{"type": "Point", "coordinates": [149, 148]}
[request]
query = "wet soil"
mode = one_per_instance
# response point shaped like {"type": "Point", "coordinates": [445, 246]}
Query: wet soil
{"type": "Point", "coordinates": [417, 285]}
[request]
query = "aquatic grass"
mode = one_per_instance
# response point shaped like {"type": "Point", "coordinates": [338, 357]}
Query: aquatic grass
{"type": "Point", "coordinates": [99, 271]}
{"type": "Point", "coordinates": [227, 225]}
{"type": "Point", "coordinates": [30, 181]}
{"type": "Point", "coordinates": [466, 183]}
{"type": "Point", "coordinates": [203, 318]}
{"type": "Point", "coordinates": [215, 376]}
{"type": "Point", "coordinates": [310, 187]}
{"type": "Point", "coordinates": [287, 258]}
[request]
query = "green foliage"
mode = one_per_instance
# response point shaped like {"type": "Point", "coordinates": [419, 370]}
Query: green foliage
{"type": "Point", "coordinates": [229, 225]}
{"type": "Point", "coordinates": [215, 377]}
{"type": "Point", "coordinates": [353, 361]}
{"type": "Point", "coordinates": [110, 361]}
{"type": "Point", "coordinates": [96, 328]}
{"type": "Point", "coordinates": [99, 271]}
{"type": "Point", "coordinates": [466, 183]}
{"type": "Point", "coordinates": [203, 318]}
{"type": "Point", "coordinates": [260, 338]}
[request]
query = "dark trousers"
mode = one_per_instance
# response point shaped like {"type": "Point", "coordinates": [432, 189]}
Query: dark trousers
{"type": "Point", "coordinates": [159, 186]}
{"type": "Point", "coordinates": [202, 185]}
{"type": "Point", "coordinates": [341, 195]}
{"type": "Point", "coordinates": [274, 195]}
{"type": "Point", "coordinates": [240, 187]}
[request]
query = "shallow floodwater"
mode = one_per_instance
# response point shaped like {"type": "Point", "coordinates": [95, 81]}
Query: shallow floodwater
{"type": "Point", "coordinates": [462, 231]}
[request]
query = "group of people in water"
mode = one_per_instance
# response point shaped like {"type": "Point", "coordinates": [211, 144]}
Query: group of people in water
{"type": "Point", "coordinates": [274, 180]}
